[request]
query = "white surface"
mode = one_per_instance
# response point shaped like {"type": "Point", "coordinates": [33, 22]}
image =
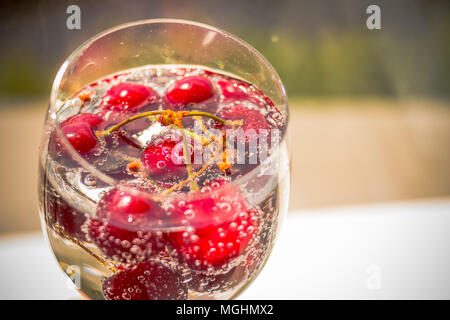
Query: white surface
{"type": "Point", "coordinates": [28, 270]}
{"type": "Point", "coordinates": [377, 252]}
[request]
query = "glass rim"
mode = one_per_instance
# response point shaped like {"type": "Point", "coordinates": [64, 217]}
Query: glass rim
{"type": "Point", "coordinates": [54, 107]}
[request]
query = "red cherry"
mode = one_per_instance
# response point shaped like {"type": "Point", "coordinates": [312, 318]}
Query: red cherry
{"type": "Point", "coordinates": [145, 281]}
{"type": "Point", "coordinates": [204, 281]}
{"type": "Point", "coordinates": [89, 118]}
{"type": "Point", "coordinates": [233, 90]}
{"type": "Point", "coordinates": [81, 137]}
{"type": "Point", "coordinates": [216, 245]}
{"type": "Point", "coordinates": [126, 208]}
{"type": "Point", "coordinates": [120, 228]}
{"type": "Point", "coordinates": [79, 130]}
{"type": "Point", "coordinates": [193, 89]}
{"type": "Point", "coordinates": [127, 97]}
{"type": "Point", "coordinates": [164, 158]}
{"type": "Point", "coordinates": [218, 228]}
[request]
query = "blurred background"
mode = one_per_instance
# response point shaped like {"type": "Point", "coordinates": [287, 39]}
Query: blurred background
{"type": "Point", "coordinates": [370, 108]}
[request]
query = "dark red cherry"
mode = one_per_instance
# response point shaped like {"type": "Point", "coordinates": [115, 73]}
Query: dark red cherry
{"type": "Point", "coordinates": [146, 281]}
{"type": "Point", "coordinates": [255, 125]}
{"type": "Point", "coordinates": [233, 90]}
{"type": "Point", "coordinates": [60, 213]}
{"type": "Point", "coordinates": [193, 89]}
{"type": "Point", "coordinates": [219, 228]}
{"type": "Point", "coordinates": [124, 245]}
{"type": "Point", "coordinates": [252, 118]}
{"type": "Point", "coordinates": [164, 158]}
{"type": "Point", "coordinates": [79, 131]}
{"type": "Point", "coordinates": [122, 228]}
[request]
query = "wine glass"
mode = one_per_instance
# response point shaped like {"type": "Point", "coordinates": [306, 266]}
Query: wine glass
{"type": "Point", "coordinates": [163, 165]}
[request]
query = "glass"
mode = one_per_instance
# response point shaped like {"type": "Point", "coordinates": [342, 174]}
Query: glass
{"type": "Point", "coordinates": [122, 220]}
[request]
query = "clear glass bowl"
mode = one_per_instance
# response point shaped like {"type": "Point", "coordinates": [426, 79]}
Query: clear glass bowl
{"type": "Point", "coordinates": [71, 190]}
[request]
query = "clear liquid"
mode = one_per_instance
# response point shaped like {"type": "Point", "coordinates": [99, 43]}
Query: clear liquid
{"type": "Point", "coordinates": [70, 194]}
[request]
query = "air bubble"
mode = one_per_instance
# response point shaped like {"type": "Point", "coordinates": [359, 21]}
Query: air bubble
{"type": "Point", "coordinates": [225, 206]}
{"type": "Point", "coordinates": [189, 213]}
{"type": "Point", "coordinates": [160, 164]}
{"type": "Point", "coordinates": [126, 296]}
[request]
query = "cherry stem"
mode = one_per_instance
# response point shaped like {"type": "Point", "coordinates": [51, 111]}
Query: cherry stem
{"type": "Point", "coordinates": [205, 131]}
{"type": "Point", "coordinates": [163, 112]}
{"type": "Point", "coordinates": [195, 175]}
{"type": "Point", "coordinates": [202, 125]}
{"type": "Point", "coordinates": [182, 183]}
{"type": "Point", "coordinates": [225, 164]}
{"type": "Point", "coordinates": [173, 119]}
{"type": "Point", "coordinates": [152, 181]}
{"type": "Point", "coordinates": [187, 159]}
{"type": "Point", "coordinates": [192, 134]}
{"type": "Point", "coordinates": [211, 116]}
{"type": "Point", "coordinates": [107, 264]}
